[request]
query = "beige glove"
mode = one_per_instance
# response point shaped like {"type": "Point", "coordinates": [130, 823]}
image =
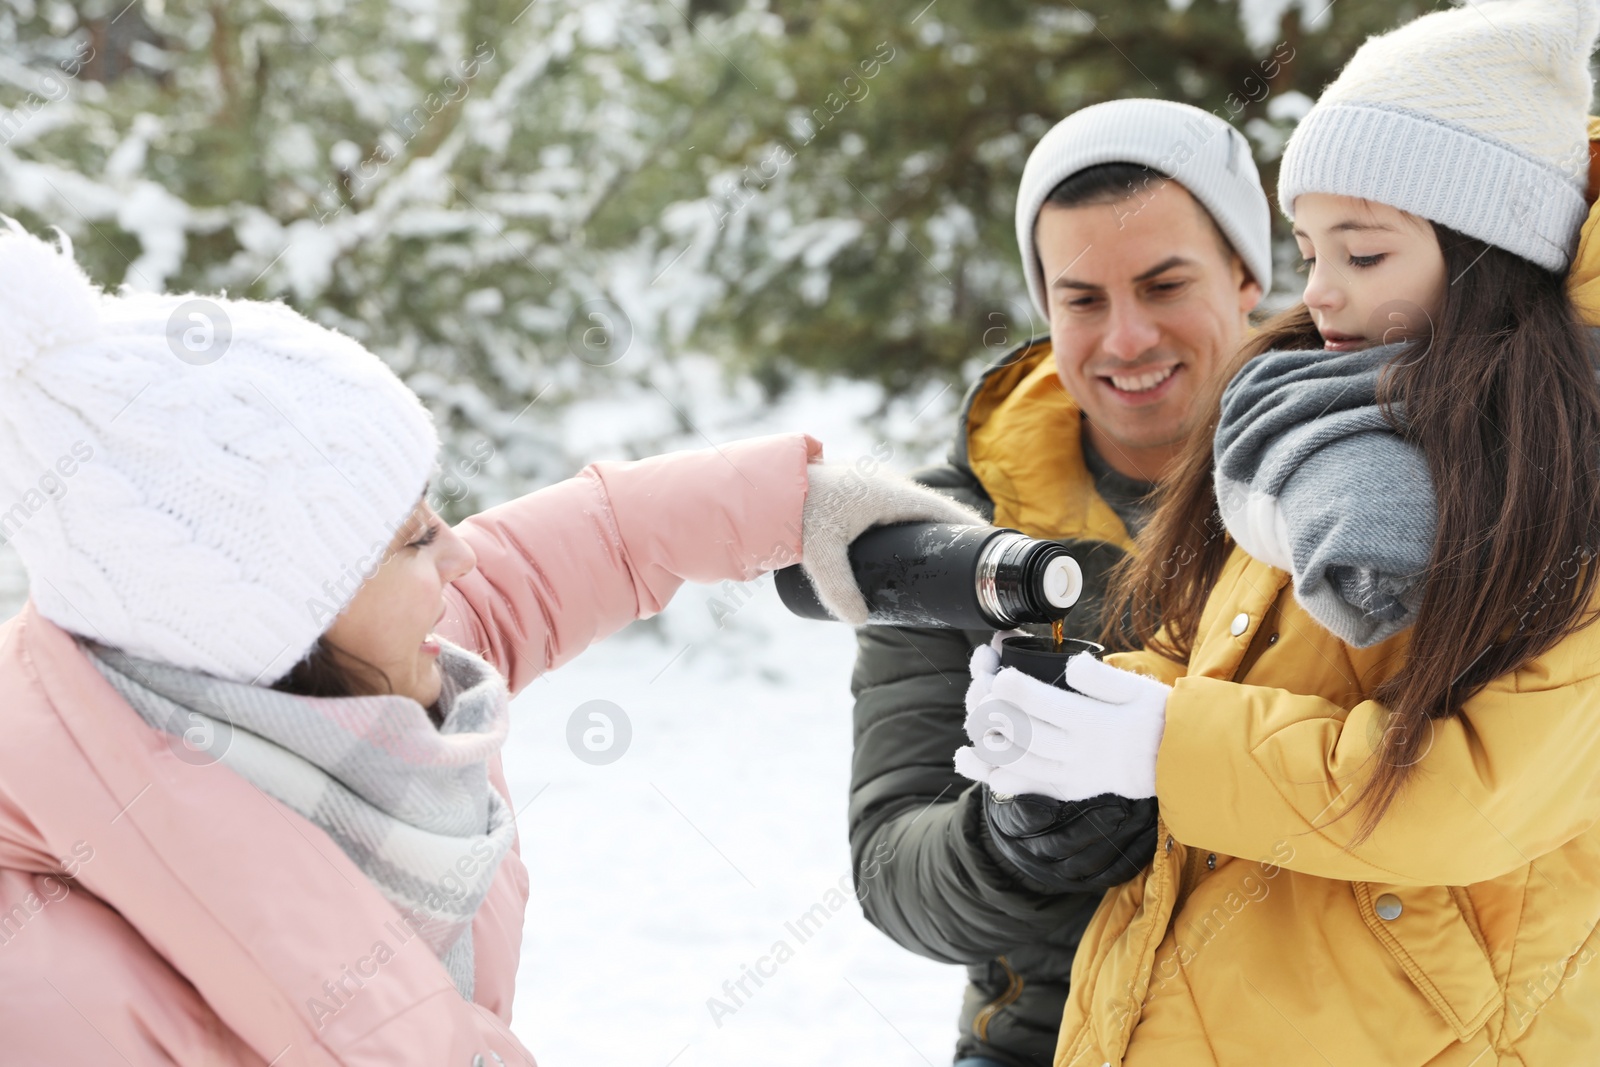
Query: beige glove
{"type": "Point", "coordinates": [841, 505]}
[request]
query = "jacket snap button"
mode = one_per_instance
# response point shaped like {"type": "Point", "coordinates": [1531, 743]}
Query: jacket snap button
{"type": "Point", "coordinates": [477, 1060]}
{"type": "Point", "coordinates": [1272, 640]}
{"type": "Point", "coordinates": [1388, 907]}
{"type": "Point", "coordinates": [1211, 862]}
{"type": "Point", "coordinates": [1241, 623]}
{"type": "Point", "coordinates": [1169, 842]}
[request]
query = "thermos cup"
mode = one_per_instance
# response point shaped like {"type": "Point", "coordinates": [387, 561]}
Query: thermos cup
{"type": "Point", "coordinates": [1042, 658]}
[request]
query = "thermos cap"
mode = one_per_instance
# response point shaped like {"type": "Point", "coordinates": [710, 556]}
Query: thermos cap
{"type": "Point", "coordinates": [1063, 582]}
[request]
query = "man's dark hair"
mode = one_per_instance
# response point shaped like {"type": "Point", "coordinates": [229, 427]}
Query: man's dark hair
{"type": "Point", "coordinates": [1110, 183]}
{"type": "Point", "coordinates": [1105, 184]}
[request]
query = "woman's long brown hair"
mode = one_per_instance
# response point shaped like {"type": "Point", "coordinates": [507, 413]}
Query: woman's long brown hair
{"type": "Point", "coordinates": [1503, 402]}
{"type": "Point", "coordinates": [329, 671]}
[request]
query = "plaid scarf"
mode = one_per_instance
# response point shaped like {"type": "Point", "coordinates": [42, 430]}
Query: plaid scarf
{"type": "Point", "coordinates": [410, 804]}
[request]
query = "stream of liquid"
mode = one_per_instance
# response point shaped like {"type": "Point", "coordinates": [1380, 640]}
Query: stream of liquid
{"type": "Point", "coordinates": [1058, 630]}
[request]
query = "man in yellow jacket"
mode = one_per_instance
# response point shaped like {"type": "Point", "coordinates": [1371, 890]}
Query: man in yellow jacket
{"type": "Point", "coordinates": [1145, 241]}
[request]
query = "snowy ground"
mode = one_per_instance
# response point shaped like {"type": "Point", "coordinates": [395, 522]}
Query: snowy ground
{"type": "Point", "coordinates": [660, 876]}
{"type": "Point", "coordinates": [665, 874]}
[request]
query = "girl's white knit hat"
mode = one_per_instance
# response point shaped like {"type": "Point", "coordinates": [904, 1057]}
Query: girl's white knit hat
{"type": "Point", "coordinates": [196, 480]}
{"type": "Point", "coordinates": [1474, 118]}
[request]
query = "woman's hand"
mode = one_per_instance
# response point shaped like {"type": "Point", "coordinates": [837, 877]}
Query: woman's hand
{"type": "Point", "coordinates": [1028, 737]}
{"type": "Point", "coordinates": [842, 504]}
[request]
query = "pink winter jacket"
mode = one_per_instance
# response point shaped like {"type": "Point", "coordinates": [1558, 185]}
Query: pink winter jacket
{"type": "Point", "coordinates": [153, 911]}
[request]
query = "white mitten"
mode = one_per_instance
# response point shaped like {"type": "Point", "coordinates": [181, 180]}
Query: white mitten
{"type": "Point", "coordinates": [984, 665]}
{"type": "Point", "coordinates": [1029, 737]}
{"type": "Point", "coordinates": [841, 505]}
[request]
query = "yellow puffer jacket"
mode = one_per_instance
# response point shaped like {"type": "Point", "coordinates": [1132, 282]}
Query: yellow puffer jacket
{"type": "Point", "coordinates": [1462, 932]}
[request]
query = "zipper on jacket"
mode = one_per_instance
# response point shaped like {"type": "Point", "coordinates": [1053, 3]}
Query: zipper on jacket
{"type": "Point", "coordinates": [1190, 873]}
{"type": "Point", "coordinates": [1013, 990]}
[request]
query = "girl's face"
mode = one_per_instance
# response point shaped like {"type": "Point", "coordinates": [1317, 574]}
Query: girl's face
{"type": "Point", "coordinates": [389, 624]}
{"type": "Point", "coordinates": [1375, 274]}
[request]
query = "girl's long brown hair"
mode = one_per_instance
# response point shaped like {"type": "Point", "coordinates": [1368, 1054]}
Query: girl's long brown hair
{"type": "Point", "coordinates": [1502, 401]}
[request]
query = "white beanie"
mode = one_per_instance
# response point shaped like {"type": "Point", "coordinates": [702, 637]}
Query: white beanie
{"type": "Point", "coordinates": [1474, 118]}
{"type": "Point", "coordinates": [199, 481]}
{"type": "Point", "coordinates": [1197, 149]}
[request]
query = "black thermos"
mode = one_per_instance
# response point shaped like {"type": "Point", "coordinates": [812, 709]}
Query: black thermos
{"type": "Point", "coordinates": [939, 574]}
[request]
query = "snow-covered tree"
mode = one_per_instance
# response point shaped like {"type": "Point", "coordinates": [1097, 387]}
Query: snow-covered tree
{"type": "Point", "coordinates": [864, 204]}
{"type": "Point", "coordinates": [457, 183]}
{"type": "Point", "coordinates": [522, 204]}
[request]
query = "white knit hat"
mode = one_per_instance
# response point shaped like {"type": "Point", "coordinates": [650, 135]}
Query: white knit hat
{"type": "Point", "coordinates": [1474, 118]}
{"type": "Point", "coordinates": [200, 481]}
{"type": "Point", "coordinates": [1197, 149]}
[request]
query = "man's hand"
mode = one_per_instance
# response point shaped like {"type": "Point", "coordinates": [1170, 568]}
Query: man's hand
{"type": "Point", "coordinates": [1072, 846]}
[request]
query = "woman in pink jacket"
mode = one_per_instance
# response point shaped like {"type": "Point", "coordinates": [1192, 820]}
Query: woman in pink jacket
{"type": "Point", "coordinates": [251, 802]}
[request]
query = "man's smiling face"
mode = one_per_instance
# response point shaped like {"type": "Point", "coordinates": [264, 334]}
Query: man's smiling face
{"type": "Point", "coordinates": [1147, 302]}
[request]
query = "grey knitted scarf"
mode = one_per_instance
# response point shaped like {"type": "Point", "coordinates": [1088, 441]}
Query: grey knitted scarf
{"type": "Point", "coordinates": [410, 804]}
{"type": "Point", "coordinates": [1312, 479]}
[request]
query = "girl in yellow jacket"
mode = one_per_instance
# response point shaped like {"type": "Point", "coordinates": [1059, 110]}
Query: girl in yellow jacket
{"type": "Point", "coordinates": [1369, 695]}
